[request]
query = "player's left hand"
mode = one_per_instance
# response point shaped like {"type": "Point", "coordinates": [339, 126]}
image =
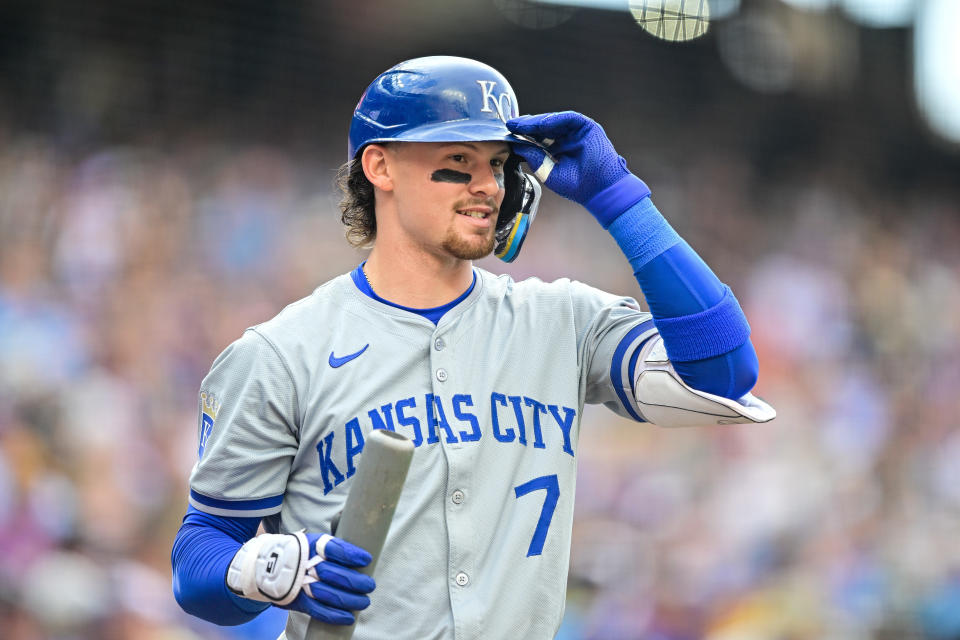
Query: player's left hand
{"type": "Point", "coordinates": [306, 572]}
{"type": "Point", "coordinates": [576, 160]}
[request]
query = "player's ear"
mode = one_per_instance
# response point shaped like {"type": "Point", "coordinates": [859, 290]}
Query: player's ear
{"type": "Point", "coordinates": [376, 166]}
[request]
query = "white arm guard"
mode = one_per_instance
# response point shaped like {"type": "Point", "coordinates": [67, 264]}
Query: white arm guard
{"type": "Point", "coordinates": [271, 567]}
{"type": "Point", "coordinates": [667, 401]}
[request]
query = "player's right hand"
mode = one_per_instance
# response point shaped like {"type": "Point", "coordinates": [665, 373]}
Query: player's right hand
{"type": "Point", "coordinates": [575, 159]}
{"type": "Point", "coordinates": [307, 572]}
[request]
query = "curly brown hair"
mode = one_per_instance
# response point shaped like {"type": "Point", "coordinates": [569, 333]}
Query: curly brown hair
{"type": "Point", "coordinates": [357, 204]}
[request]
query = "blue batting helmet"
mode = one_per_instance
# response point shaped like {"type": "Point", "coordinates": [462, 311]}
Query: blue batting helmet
{"type": "Point", "coordinates": [450, 99]}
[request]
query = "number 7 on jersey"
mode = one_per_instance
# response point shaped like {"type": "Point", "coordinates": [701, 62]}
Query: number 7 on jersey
{"type": "Point", "coordinates": [552, 487]}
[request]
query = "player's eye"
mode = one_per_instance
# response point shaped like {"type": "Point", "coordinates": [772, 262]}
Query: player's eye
{"type": "Point", "coordinates": [458, 157]}
{"type": "Point", "coordinates": [497, 162]}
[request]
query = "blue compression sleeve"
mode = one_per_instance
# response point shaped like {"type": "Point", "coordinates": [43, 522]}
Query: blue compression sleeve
{"type": "Point", "coordinates": [202, 551]}
{"type": "Point", "coordinates": [704, 330]}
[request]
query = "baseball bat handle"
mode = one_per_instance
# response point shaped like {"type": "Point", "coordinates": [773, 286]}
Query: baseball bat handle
{"type": "Point", "coordinates": [369, 509]}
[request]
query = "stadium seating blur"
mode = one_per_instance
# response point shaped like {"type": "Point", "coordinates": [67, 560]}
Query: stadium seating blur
{"type": "Point", "coordinates": [166, 180]}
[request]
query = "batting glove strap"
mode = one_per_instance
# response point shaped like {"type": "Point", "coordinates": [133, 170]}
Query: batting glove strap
{"type": "Point", "coordinates": [270, 568]}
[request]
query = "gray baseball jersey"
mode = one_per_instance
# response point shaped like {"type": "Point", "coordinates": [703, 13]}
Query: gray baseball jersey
{"type": "Point", "coordinates": [492, 398]}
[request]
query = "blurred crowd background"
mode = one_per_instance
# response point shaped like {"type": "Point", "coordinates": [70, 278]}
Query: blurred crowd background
{"type": "Point", "coordinates": [166, 180]}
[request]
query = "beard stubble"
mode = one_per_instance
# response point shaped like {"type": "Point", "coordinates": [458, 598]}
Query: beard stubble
{"type": "Point", "coordinates": [471, 246]}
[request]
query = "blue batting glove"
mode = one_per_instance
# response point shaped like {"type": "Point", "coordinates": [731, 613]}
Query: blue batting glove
{"type": "Point", "coordinates": [338, 589]}
{"type": "Point", "coordinates": [576, 160]}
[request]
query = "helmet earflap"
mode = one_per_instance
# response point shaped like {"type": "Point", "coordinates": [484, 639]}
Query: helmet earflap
{"type": "Point", "coordinates": [517, 211]}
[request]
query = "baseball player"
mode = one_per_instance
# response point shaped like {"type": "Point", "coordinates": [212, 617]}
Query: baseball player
{"type": "Point", "coordinates": [487, 376]}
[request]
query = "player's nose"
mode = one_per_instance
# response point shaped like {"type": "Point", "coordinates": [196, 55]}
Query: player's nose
{"type": "Point", "coordinates": [486, 182]}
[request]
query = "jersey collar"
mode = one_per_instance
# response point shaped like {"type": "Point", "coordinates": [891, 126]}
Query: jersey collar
{"type": "Point", "coordinates": [433, 314]}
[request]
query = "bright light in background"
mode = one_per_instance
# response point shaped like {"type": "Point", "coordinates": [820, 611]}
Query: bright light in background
{"type": "Point", "coordinates": [880, 13]}
{"type": "Point", "coordinates": [757, 51]}
{"type": "Point", "coordinates": [716, 8]}
{"type": "Point", "coordinates": [936, 52]}
{"type": "Point", "coordinates": [869, 13]}
{"type": "Point", "coordinates": [672, 20]}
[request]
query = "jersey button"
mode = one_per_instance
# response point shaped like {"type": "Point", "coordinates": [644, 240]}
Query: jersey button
{"type": "Point", "coordinates": [457, 497]}
{"type": "Point", "coordinates": [441, 375]}
{"type": "Point", "coordinates": [462, 579]}
{"type": "Point", "coordinates": [439, 344]}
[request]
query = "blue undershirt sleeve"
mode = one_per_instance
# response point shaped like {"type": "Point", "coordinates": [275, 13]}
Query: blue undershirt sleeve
{"type": "Point", "coordinates": [703, 327]}
{"type": "Point", "coordinates": [202, 551]}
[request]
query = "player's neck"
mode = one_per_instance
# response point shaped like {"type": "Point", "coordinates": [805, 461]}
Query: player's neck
{"type": "Point", "coordinates": [417, 280]}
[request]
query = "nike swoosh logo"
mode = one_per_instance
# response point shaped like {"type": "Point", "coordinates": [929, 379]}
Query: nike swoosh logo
{"type": "Point", "coordinates": [339, 362]}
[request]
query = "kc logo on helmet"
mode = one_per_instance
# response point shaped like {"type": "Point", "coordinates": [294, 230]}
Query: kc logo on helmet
{"type": "Point", "coordinates": [490, 97]}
